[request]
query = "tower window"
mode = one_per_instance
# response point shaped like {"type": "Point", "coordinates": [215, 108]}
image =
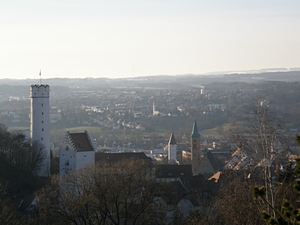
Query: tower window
{"type": "Point", "coordinates": [42, 104]}
{"type": "Point", "coordinates": [42, 139]}
{"type": "Point", "coordinates": [42, 129]}
{"type": "Point", "coordinates": [42, 113]}
{"type": "Point", "coordinates": [194, 146]}
{"type": "Point", "coordinates": [42, 121]}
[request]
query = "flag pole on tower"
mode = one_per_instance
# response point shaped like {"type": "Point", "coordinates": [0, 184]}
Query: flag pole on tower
{"type": "Point", "coordinates": [40, 77]}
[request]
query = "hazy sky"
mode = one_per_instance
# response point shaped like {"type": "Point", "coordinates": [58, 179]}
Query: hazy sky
{"type": "Point", "coordinates": [124, 38]}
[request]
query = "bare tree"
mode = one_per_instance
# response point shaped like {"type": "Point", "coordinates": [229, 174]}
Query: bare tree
{"type": "Point", "coordinates": [235, 205]}
{"type": "Point", "coordinates": [262, 140]}
{"type": "Point", "coordinates": [119, 193]}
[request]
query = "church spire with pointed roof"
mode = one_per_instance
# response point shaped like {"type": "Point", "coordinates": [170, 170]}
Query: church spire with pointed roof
{"type": "Point", "coordinates": [195, 132]}
{"type": "Point", "coordinates": [172, 140]}
{"type": "Point", "coordinates": [172, 149]}
{"type": "Point", "coordinates": [195, 148]}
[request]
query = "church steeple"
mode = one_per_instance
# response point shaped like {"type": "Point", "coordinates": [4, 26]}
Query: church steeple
{"type": "Point", "coordinates": [172, 140]}
{"type": "Point", "coordinates": [195, 132]}
{"type": "Point", "coordinates": [172, 150]}
{"type": "Point", "coordinates": [195, 148]}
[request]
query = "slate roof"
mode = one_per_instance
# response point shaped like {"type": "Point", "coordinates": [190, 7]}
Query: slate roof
{"type": "Point", "coordinates": [118, 157]}
{"type": "Point", "coordinates": [172, 140]}
{"type": "Point", "coordinates": [196, 184]}
{"type": "Point", "coordinates": [80, 141]}
{"type": "Point", "coordinates": [214, 162]}
{"type": "Point", "coordinates": [172, 193]}
{"type": "Point", "coordinates": [173, 171]}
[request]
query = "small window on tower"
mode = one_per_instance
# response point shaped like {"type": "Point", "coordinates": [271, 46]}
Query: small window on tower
{"type": "Point", "coordinates": [42, 104]}
{"type": "Point", "coordinates": [194, 146]}
{"type": "Point", "coordinates": [41, 138]}
{"type": "Point", "coordinates": [42, 121]}
{"type": "Point", "coordinates": [42, 113]}
{"type": "Point", "coordinates": [42, 129]}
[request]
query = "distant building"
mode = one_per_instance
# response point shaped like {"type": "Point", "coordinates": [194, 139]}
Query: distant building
{"type": "Point", "coordinates": [172, 150]}
{"type": "Point", "coordinates": [111, 158]}
{"type": "Point", "coordinates": [209, 165]}
{"type": "Point", "coordinates": [195, 148]}
{"type": "Point", "coordinates": [40, 122]}
{"type": "Point", "coordinates": [154, 111]}
{"type": "Point", "coordinates": [169, 173]}
{"type": "Point", "coordinates": [76, 151]}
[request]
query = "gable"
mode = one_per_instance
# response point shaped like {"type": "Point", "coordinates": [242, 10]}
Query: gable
{"type": "Point", "coordinates": [208, 164]}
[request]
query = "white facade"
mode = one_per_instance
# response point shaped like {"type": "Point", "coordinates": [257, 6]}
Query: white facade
{"type": "Point", "coordinates": [40, 122]}
{"type": "Point", "coordinates": [172, 150]}
{"type": "Point", "coordinates": [76, 152]}
{"type": "Point", "coordinates": [84, 159]}
{"type": "Point", "coordinates": [172, 153]}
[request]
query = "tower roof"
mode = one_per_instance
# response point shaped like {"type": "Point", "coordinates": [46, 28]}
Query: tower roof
{"type": "Point", "coordinates": [81, 141]}
{"type": "Point", "coordinates": [172, 140]}
{"type": "Point", "coordinates": [195, 132]}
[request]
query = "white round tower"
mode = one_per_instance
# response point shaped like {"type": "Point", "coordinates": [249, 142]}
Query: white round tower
{"type": "Point", "coordinates": [40, 122]}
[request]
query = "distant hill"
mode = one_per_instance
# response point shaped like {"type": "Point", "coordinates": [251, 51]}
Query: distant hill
{"type": "Point", "coordinates": [166, 81]}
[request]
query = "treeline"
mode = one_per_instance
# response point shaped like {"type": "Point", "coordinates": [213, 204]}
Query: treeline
{"type": "Point", "coordinates": [20, 158]}
{"type": "Point", "coordinates": [19, 151]}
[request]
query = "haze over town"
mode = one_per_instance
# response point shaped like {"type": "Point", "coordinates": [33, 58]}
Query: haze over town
{"type": "Point", "coordinates": [141, 38]}
{"type": "Point", "coordinates": [149, 112]}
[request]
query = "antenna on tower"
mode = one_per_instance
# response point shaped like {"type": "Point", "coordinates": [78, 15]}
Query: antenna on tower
{"type": "Point", "coordinates": [40, 77]}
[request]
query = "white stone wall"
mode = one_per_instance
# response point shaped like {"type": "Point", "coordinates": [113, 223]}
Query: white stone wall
{"type": "Point", "coordinates": [67, 159]}
{"type": "Point", "coordinates": [172, 153]}
{"type": "Point", "coordinates": [84, 158]}
{"type": "Point", "coordinates": [40, 122]}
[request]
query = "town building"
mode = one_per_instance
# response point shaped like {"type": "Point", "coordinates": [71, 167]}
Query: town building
{"type": "Point", "coordinates": [76, 151]}
{"type": "Point", "coordinates": [195, 148]}
{"type": "Point", "coordinates": [172, 150]}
